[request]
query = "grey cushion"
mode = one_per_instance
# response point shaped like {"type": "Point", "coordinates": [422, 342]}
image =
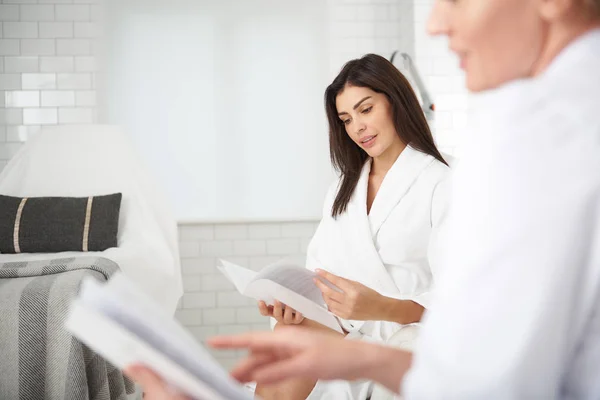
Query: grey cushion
{"type": "Point", "coordinates": [55, 224]}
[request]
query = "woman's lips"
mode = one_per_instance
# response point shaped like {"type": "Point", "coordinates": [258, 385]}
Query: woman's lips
{"type": "Point", "coordinates": [368, 141]}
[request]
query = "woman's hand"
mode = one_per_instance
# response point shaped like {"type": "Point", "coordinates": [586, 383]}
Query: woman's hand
{"type": "Point", "coordinates": [293, 352]}
{"type": "Point", "coordinates": [154, 387]}
{"type": "Point", "coordinates": [355, 301]}
{"type": "Point", "coordinates": [282, 313]}
{"type": "Point", "coordinates": [361, 303]}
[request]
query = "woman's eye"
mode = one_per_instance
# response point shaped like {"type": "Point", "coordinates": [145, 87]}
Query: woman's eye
{"type": "Point", "coordinates": [367, 110]}
{"type": "Point", "coordinates": [346, 121]}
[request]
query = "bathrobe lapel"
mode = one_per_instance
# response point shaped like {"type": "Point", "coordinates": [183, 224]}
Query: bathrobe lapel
{"type": "Point", "coordinates": [363, 228]}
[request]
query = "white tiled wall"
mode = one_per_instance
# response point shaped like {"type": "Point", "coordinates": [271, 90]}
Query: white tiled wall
{"type": "Point", "coordinates": [47, 67]}
{"type": "Point", "coordinates": [210, 304]}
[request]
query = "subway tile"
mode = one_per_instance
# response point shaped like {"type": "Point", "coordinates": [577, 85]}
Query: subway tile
{"type": "Point", "coordinates": [249, 247]}
{"type": "Point", "coordinates": [221, 316]}
{"type": "Point", "coordinates": [233, 299]}
{"type": "Point", "coordinates": [19, 30]}
{"type": "Point", "coordinates": [37, 47]}
{"type": "Point", "coordinates": [227, 231]}
{"type": "Point", "coordinates": [9, 12]}
{"type": "Point", "coordinates": [76, 81]}
{"type": "Point", "coordinates": [85, 98]}
{"type": "Point", "coordinates": [97, 12]}
{"type": "Point", "coordinates": [2, 103]}
{"type": "Point", "coordinates": [73, 12]}
{"type": "Point", "coordinates": [258, 263]}
{"type": "Point", "coordinates": [189, 249]}
{"type": "Point", "coordinates": [233, 329]}
{"type": "Point", "coordinates": [283, 246]}
{"type": "Point", "coordinates": [22, 99]}
{"type": "Point", "coordinates": [40, 116]}
{"type": "Point", "coordinates": [74, 47]}
{"type": "Point", "coordinates": [216, 248]}
{"type": "Point", "coordinates": [21, 64]}
{"type": "Point", "coordinates": [264, 231]}
{"type": "Point", "coordinates": [86, 64]}
{"type": "Point", "coordinates": [38, 81]}
{"type": "Point", "coordinates": [196, 232]}
{"type": "Point", "coordinates": [199, 300]}
{"type": "Point", "coordinates": [10, 47]}
{"type": "Point", "coordinates": [57, 64]}
{"type": "Point", "coordinates": [191, 283]}
{"type": "Point", "coordinates": [216, 283]}
{"type": "Point", "coordinates": [55, 30]}
{"type": "Point", "coordinates": [87, 30]}
{"type": "Point", "coordinates": [57, 98]}
{"type": "Point", "coordinates": [202, 333]}
{"type": "Point", "coordinates": [298, 229]}
{"type": "Point", "coordinates": [38, 12]}
{"type": "Point", "coordinates": [11, 116]}
{"type": "Point", "coordinates": [3, 135]}
{"type": "Point", "coordinates": [77, 115]}
{"type": "Point", "coordinates": [199, 266]}
{"type": "Point", "coordinates": [189, 317]}
{"type": "Point", "coordinates": [10, 81]}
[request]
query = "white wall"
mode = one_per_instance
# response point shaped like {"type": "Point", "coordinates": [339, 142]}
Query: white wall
{"type": "Point", "coordinates": [225, 100]}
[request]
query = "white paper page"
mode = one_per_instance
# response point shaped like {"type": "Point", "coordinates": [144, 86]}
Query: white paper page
{"type": "Point", "coordinates": [239, 276]}
{"type": "Point", "coordinates": [297, 279]}
{"type": "Point", "coordinates": [121, 302]}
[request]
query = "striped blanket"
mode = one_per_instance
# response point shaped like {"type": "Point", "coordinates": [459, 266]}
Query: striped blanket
{"type": "Point", "coordinates": [39, 359]}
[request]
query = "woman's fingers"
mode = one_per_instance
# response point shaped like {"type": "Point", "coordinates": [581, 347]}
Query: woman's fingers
{"type": "Point", "coordinates": [264, 309]}
{"type": "Point", "coordinates": [329, 293]}
{"type": "Point", "coordinates": [243, 372]}
{"type": "Point", "coordinates": [278, 311]}
{"type": "Point", "coordinates": [298, 318]}
{"type": "Point", "coordinates": [288, 315]}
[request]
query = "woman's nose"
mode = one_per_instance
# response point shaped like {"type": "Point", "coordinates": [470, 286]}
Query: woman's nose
{"type": "Point", "coordinates": [360, 127]}
{"type": "Point", "coordinates": [437, 24]}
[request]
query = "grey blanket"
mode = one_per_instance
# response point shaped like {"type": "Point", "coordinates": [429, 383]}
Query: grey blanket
{"type": "Point", "coordinates": [39, 359]}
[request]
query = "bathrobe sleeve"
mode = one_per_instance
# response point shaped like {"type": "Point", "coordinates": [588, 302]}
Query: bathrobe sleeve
{"type": "Point", "coordinates": [438, 214]}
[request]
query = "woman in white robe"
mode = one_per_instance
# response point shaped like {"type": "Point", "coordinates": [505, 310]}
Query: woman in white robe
{"type": "Point", "coordinates": [378, 219]}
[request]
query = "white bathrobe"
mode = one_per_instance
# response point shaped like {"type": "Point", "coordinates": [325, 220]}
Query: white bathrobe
{"type": "Point", "coordinates": [386, 250]}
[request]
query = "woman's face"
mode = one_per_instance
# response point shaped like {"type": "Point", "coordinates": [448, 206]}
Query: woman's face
{"type": "Point", "coordinates": [497, 41]}
{"type": "Point", "coordinates": [367, 116]}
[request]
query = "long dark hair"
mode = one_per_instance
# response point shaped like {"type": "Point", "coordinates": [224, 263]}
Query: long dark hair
{"type": "Point", "coordinates": [381, 76]}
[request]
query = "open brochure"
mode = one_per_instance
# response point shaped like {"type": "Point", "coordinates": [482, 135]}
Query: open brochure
{"type": "Point", "coordinates": [125, 327]}
{"type": "Point", "coordinates": [290, 284]}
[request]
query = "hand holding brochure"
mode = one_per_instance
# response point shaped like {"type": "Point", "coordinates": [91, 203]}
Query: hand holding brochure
{"type": "Point", "coordinates": [289, 284]}
{"type": "Point", "coordinates": [124, 326]}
